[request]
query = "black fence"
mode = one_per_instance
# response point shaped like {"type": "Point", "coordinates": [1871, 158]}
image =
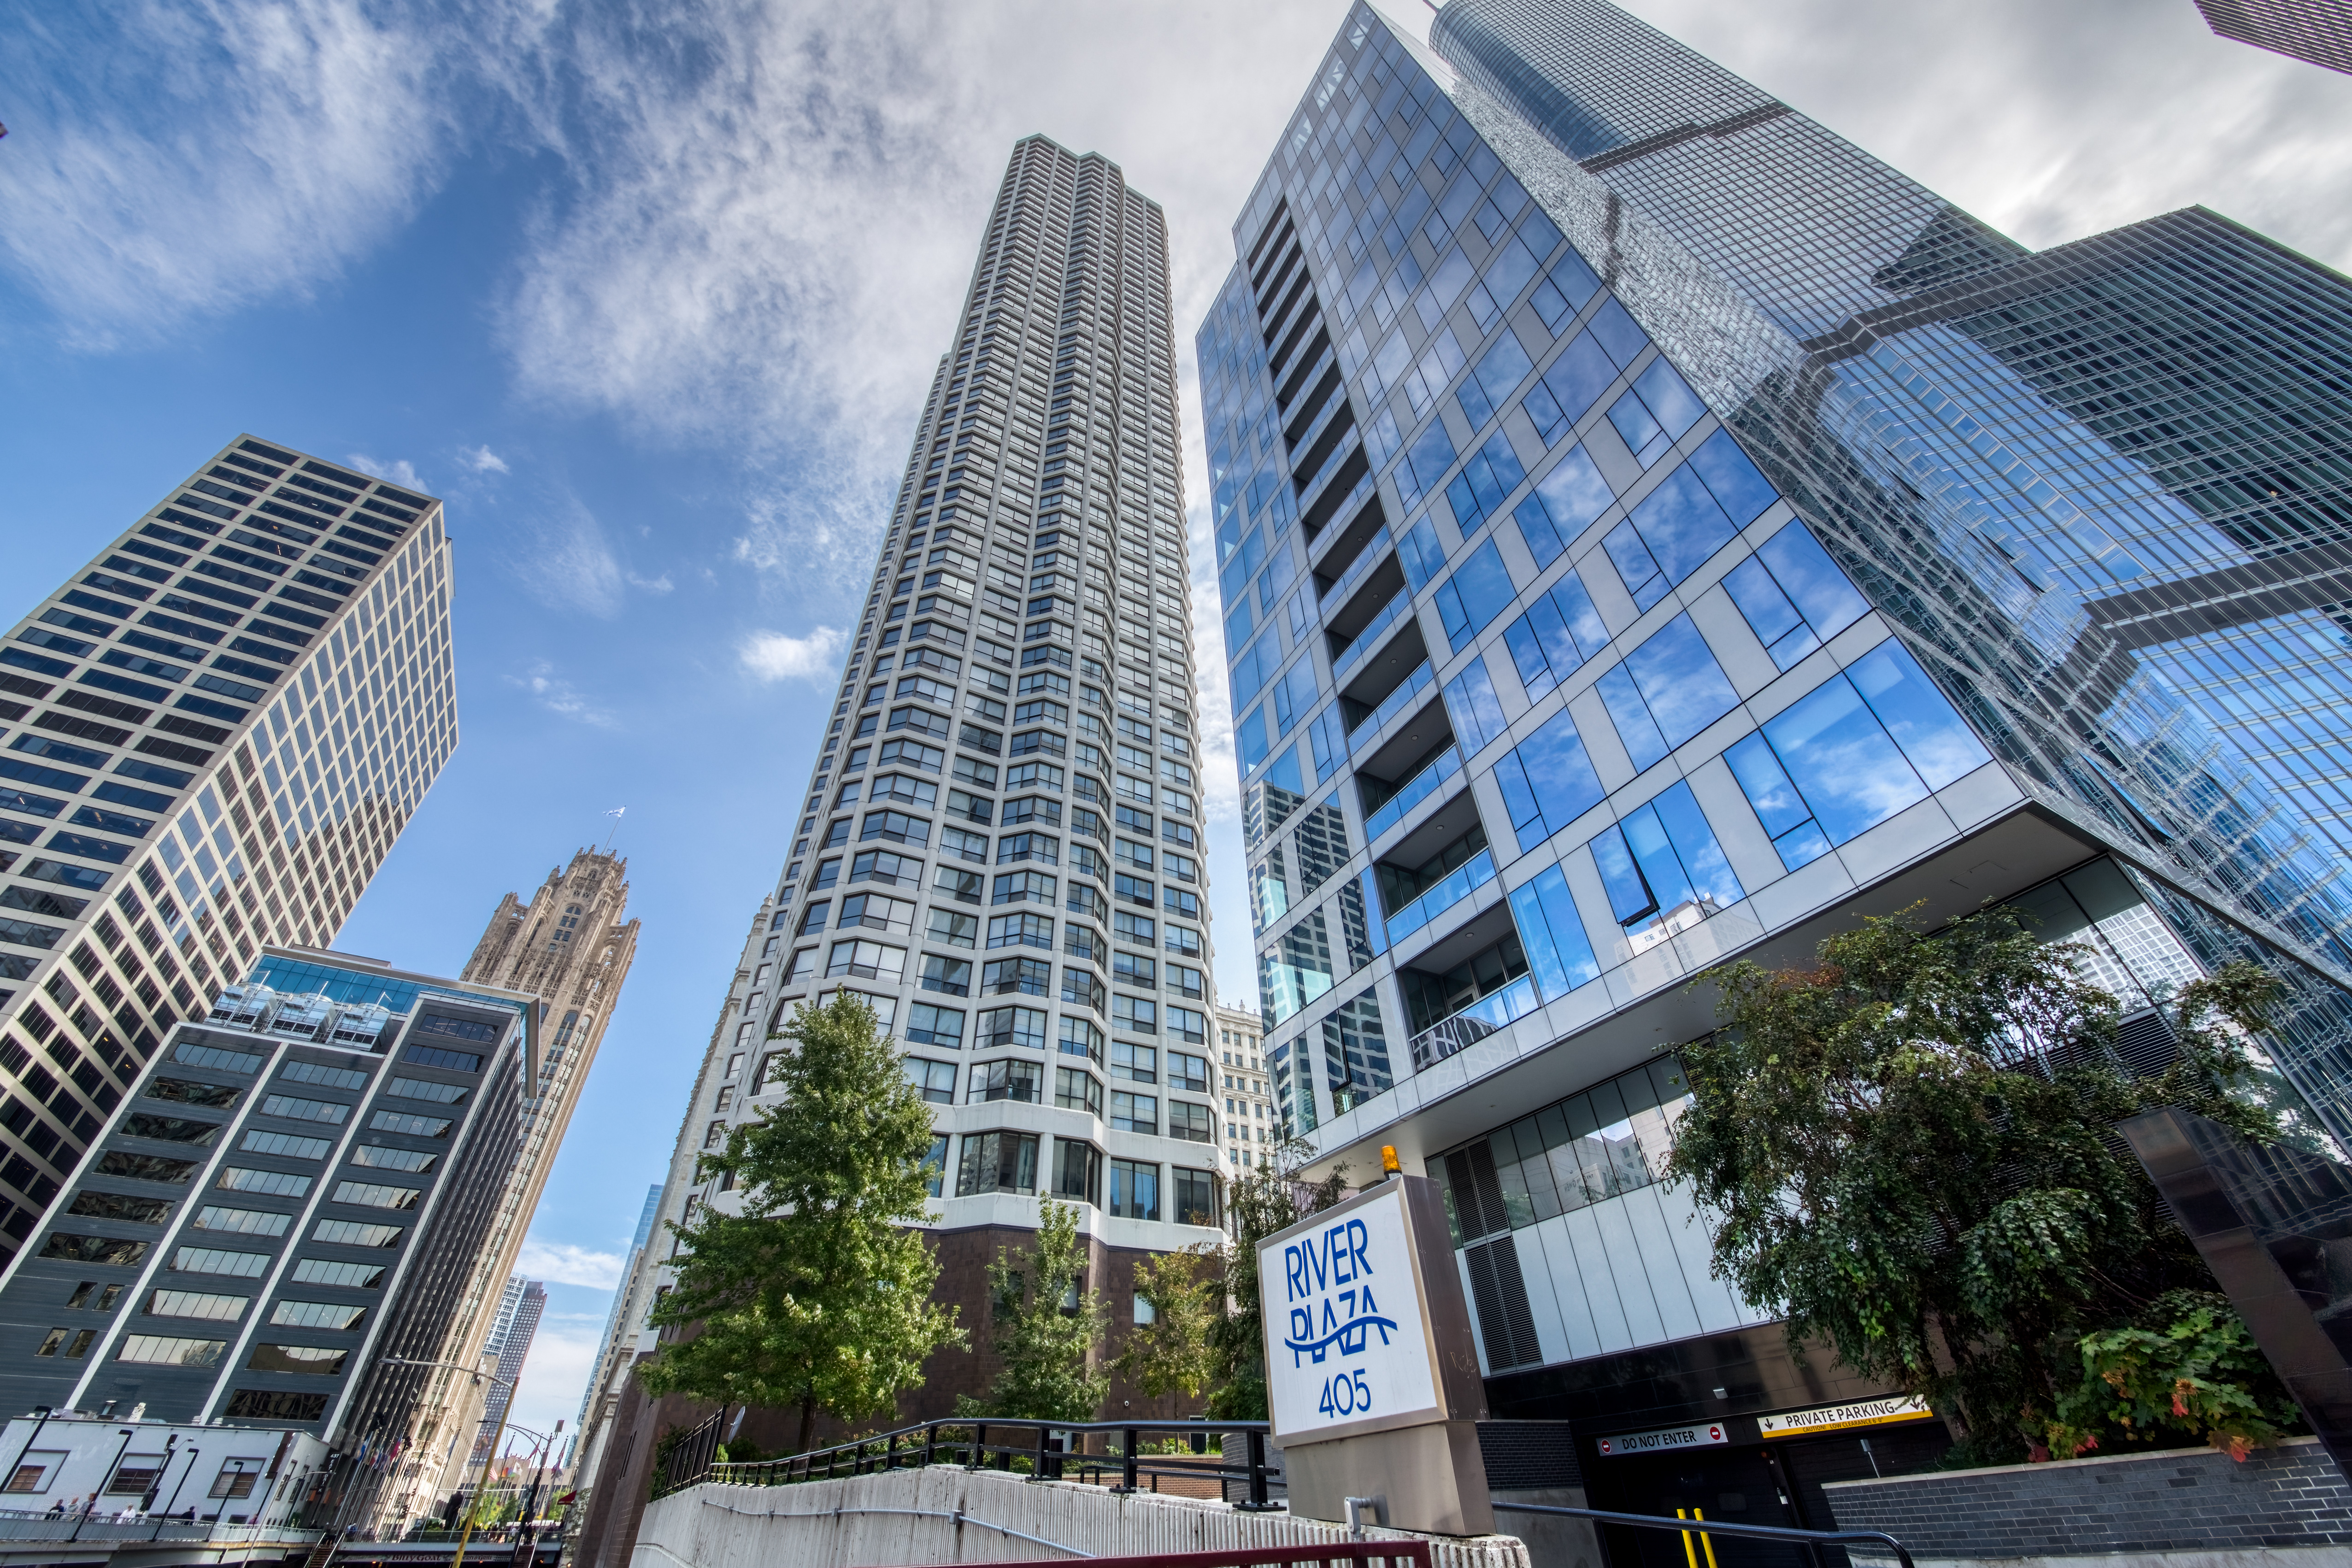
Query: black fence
{"type": "Point", "coordinates": [1140, 1454]}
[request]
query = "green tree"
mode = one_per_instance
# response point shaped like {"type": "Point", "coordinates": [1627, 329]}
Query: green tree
{"type": "Point", "coordinates": [2188, 1364]}
{"type": "Point", "coordinates": [1259, 1202]}
{"type": "Point", "coordinates": [1908, 1148]}
{"type": "Point", "coordinates": [1046, 1329]}
{"type": "Point", "coordinates": [818, 1293]}
{"type": "Point", "coordinates": [1175, 1353]}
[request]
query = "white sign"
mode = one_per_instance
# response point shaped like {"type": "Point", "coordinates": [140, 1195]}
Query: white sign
{"type": "Point", "coordinates": [1836, 1418]}
{"type": "Point", "coordinates": [1707, 1435]}
{"type": "Point", "coordinates": [1347, 1340]}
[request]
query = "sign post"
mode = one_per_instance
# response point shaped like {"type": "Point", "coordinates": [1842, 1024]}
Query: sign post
{"type": "Point", "coordinates": [1371, 1375]}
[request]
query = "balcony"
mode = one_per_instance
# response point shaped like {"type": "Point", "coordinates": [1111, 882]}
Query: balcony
{"type": "Point", "coordinates": [1412, 793]}
{"type": "Point", "coordinates": [1360, 530]}
{"type": "Point", "coordinates": [1336, 492]}
{"type": "Point", "coordinates": [1399, 607]}
{"type": "Point", "coordinates": [1472, 1024]}
{"type": "Point", "coordinates": [1308, 386]}
{"type": "Point", "coordinates": [1373, 552]}
{"type": "Point", "coordinates": [1451, 889]}
{"type": "Point", "coordinates": [1398, 701]}
{"type": "Point", "coordinates": [1471, 999]}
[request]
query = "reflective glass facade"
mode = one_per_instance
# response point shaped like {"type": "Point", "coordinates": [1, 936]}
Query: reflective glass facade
{"type": "Point", "coordinates": [1630, 561]}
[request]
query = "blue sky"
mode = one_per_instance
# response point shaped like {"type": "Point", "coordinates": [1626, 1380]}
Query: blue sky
{"type": "Point", "coordinates": [650, 294]}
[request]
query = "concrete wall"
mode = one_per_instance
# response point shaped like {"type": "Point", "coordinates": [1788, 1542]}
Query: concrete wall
{"type": "Point", "coordinates": [2179, 1500]}
{"type": "Point", "coordinates": [1551, 1543]}
{"type": "Point", "coordinates": [798, 1527]}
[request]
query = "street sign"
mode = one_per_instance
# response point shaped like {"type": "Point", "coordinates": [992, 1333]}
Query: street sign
{"type": "Point", "coordinates": [1843, 1417]}
{"type": "Point", "coordinates": [1348, 1346]}
{"type": "Point", "coordinates": [1664, 1439]}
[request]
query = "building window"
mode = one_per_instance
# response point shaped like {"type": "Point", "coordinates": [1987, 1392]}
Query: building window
{"type": "Point", "coordinates": [934, 1081]}
{"type": "Point", "coordinates": [1077, 1171]}
{"type": "Point", "coordinates": [1193, 1197]}
{"type": "Point", "coordinates": [1191, 1122]}
{"type": "Point", "coordinates": [997, 1162]}
{"type": "Point", "coordinates": [1075, 1090]}
{"type": "Point", "coordinates": [1134, 1190]}
{"type": "Point", "coordinates": [1010, 1078]}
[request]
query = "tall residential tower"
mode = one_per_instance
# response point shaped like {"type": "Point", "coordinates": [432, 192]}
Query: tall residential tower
{"type": "Point", "coordinates": [209, 739]}
{"type": "Point", "coordinates": [1000, 843]}
{"type": "Point", "coordinates": [1633, 559]}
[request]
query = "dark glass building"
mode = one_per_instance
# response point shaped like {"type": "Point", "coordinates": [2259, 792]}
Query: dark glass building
{"type": "Point", "coordinates": [285, 1209]}
{"type": "Point", "coordinates": [1653, 532]}
{"type": "Point", "coordinates": [2318, 31]}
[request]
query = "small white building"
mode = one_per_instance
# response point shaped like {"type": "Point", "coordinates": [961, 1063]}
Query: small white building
{"type": "Point", "coordinates": [64, 1464]}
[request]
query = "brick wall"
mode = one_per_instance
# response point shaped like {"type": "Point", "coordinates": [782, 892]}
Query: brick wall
{"type": "Point", "coordinates": [2179, 1500]}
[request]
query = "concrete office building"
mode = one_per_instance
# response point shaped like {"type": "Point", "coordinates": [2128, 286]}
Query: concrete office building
{"type": "Point", "coordinates": [1253, 1126]}
{"type": "Point", "coordinates": [1632, 561]}
{"type": "Point", "coordinates": [287, 1200]}
{"type": "Point", "coordinates": [209, 739]}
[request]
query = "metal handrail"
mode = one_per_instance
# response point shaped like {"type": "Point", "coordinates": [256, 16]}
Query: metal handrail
{"type": "Point", "coordinates": [1806, 1539]}
{"type": "Point", "coordinates": [966, 1442]}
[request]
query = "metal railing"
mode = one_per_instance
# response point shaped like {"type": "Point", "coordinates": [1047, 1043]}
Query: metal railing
{"type": "Point", "coordinates": [1411, 793]}
{"type": "Point", "coordinates": [1051, 1450]}
{"type": "Point", "coordinates": [1461, 1030]}
{"type": "Point", "coordinates": [1809, 1542]}
{"type": "Point", "coordinates": [25, 1526]}
{"type": "Point", "coordinates": [1399, 606]}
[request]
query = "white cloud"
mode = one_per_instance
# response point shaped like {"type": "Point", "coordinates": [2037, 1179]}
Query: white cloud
{"type": "Point", "coordinates": [661, 584]}
{"type": "Point", "coordinates": [770, 250]}
{"type": "Point", "coordinates": [555, 1374]}
{"type": "Point", "coordinates": [774, 656]}
{"type": "Point", "coordinates": [234, 153]}
{"type": "Point", "coordinates": [482, 460]}
{"type": "Point", "coordinates": [557, 696]}
{"type": "Point", "coordinates": [398, 470]}
{"type": "Point", "coordinates": [566, 1264]}
{"type": "Point", "coordinates": [565, 563]}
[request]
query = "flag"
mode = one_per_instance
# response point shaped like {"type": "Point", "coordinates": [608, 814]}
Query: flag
{"type": "Point", "coordinates": [616, 810]}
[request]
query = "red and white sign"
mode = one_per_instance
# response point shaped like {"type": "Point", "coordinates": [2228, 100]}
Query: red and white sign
{"type": "Point", "coordinates": [1666, 1439]}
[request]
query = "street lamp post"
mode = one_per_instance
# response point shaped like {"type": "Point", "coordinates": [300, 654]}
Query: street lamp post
{"type": "Point", "coordinates": [530, 1500]}
{"type": "Point", "coordinates": [473, 1506]}
{"type": "Point", "coordinates": [193, 1452]}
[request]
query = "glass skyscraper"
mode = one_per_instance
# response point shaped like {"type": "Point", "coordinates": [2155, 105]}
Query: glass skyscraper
{"type": "Point", "coordinates": [1653, 532]}
{"type": "Point", "coordinates": [209, 739]}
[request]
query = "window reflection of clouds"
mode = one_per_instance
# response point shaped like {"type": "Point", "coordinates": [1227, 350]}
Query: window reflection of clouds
{"type": "Point", "coordinates": [1939, 744]}
{"type": "Point", "coordinates": [1666, 692]}
{"type": "Point", "coordinates": [1849, 764]}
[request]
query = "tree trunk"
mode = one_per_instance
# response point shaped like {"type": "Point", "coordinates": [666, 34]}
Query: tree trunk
{"type": "Point", "coordinates": [808, 1421]}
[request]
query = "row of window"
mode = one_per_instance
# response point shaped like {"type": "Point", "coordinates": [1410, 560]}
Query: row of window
{"type": "Point", "coordinates": [1074, 1088]}
{"type": "Point", "coordinates": [1008, 1161]}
